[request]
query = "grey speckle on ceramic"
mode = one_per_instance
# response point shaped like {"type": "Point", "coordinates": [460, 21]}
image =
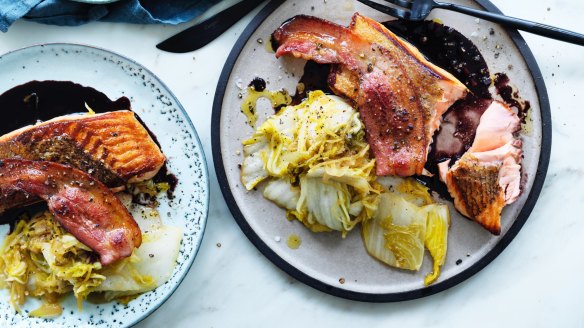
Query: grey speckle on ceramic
{"type": "Point", "coordinates": [324, 258]}
{"type": "Point", "coordinates": [117, 76]}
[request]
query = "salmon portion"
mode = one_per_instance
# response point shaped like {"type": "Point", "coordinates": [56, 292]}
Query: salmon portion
{"type": "Point", "coordinates": [81, 204]}
{"type": "Point", "coordinates": [497, 127]}
{"type": "Point", "coordinates": [488, 176]}
{"type": "Point", "coordinates": [400, 95]}
{"type": "Point", "coordinates": [113, 147]}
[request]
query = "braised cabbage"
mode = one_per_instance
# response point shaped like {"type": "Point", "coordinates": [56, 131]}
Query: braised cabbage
{"type": "Point", "coordinates": [40, 259]}
{"type": "Point", "coordinates": [436, 238]}
{"type": "Point", "coordinates": [317, 166]}
{"type": "Point", "coordinates": [406, 222]}
{"type": "Point", "coordinates": [317, 163]}
{"type": "Point", "coordinates": [395, 235]}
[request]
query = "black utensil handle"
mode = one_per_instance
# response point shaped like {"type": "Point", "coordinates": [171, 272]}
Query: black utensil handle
{"type": "Point", "coordinates": [520, 24]}
{"type": "Point", "coordinates": [199, 35]}
{"type": "Point", "coordinates": [227, 18]}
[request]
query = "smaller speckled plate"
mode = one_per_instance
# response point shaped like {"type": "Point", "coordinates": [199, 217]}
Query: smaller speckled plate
{"type": "Point", "coordinates": [325, 261]}
{"type": "Point", "coordinates": [117, 76]}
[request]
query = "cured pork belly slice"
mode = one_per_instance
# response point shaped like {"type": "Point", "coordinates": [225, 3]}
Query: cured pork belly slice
{"type": "Point", "coordinates": [400, 95]}
{"type": "Point", "coordinates": [81, 204]}
{"type": "Point", "coordinates": [488, 176]}
{"type": "Point", "coordinates": [114, 147]}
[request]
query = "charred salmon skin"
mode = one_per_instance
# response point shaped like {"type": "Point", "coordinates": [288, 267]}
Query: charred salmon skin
{"type": "Point", "coordinates": [81, 204]}
{"type": "Point", "coordinates": [400, 95]}
{"type": "Point", "coordinates": [113, 147]}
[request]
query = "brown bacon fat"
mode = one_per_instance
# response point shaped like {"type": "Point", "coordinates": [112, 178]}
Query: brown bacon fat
{"type": "Point", "coordinates": [401, 96]}
{"type": "Point", "coordinates": [81, 204]}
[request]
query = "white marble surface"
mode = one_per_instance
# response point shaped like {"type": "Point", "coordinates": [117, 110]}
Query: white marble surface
{"type": "Point", "coordinates": [537, 281]}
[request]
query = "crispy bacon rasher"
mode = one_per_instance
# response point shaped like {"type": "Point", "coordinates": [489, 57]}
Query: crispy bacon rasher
{"type": "Point", "coordinates": [81, 204]}
{"type": "Point", "coordinates": [400, 95]}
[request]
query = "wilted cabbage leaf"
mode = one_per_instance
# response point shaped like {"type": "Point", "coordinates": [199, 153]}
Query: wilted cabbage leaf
{"type": "Point", "coordinates": [395, 235]}
{"type": "Point", "coordinates": [253, 168]}
{"type": "Point", "coordinates": [402, 245]}
{"type": "Point", "coordinates": [436, 238]}
{"type": "Point", "coordinates": [283, 193]}
{"type": "Point", "coordinates": [326, 203]}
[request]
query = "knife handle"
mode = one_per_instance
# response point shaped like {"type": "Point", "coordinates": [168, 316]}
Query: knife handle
{"type": "Point", "coordinates": [228, 17]}
{"type": "Point", "coordinates": [201, 34]}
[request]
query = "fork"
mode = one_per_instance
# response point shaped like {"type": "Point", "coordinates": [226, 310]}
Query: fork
{"type": "Point", "coordinates": [417, 10]}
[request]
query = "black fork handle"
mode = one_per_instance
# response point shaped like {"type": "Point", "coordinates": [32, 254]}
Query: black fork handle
{"type": "Point", "coordinates": [520, 24]}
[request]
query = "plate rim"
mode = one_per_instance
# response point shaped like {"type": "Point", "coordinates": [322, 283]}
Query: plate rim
{"type": "Point", "coordinates": [504, 241]}
{"type": "Point", "coordinates": [190, 124]}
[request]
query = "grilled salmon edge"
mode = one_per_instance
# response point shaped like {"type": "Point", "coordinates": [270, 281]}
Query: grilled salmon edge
{"type": "Point", "coordinates": [74, 117]}
{"type": "Point", "coordinates": [71, 117]}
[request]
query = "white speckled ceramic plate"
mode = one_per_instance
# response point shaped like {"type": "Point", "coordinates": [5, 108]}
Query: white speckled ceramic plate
{"type": "Point", "coordinates": [323, 259]}
{"type": "Point", "coordinates": [117, 76]}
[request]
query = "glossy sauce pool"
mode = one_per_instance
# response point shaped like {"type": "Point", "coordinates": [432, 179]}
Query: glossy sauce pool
{"type": "Point", "coordinates": [39, 101]}
{"type": "Point", "coordinates": [36, 101]}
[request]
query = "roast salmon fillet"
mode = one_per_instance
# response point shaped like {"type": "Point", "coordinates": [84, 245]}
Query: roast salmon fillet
{"type": "Point", "coordinates": [81, 204]}
{"type": "Point", "coordinates": [400, 95]}
{"type": "Point", "coordinates": [488, 176]}
{"type": "Point", "coordinates": [113, 147]}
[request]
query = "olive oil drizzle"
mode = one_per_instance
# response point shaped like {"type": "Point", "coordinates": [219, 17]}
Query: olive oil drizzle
{"type": "Point", "coordinates": [294, 241]}
{"type": "Point", "coordinates": [256, 90]}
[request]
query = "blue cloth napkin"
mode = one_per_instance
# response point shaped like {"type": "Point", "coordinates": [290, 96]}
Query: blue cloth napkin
{"type": "Point", "coordinates": [70, 13]}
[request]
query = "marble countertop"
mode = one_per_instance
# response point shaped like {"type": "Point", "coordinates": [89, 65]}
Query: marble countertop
{"type": "Point", "coordinates": [537, 281]}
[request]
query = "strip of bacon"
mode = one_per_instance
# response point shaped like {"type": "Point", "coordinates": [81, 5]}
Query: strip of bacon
{"type": "Point", "coordinates": [81, 204]}
{"type": "Point", "coordinates": [400, 95]}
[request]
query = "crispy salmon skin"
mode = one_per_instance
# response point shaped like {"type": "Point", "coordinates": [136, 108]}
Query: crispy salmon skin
{"type": "Point", "coordinates": [488, 176]}
{"type": "Point", "coordinates": [113, 147]}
